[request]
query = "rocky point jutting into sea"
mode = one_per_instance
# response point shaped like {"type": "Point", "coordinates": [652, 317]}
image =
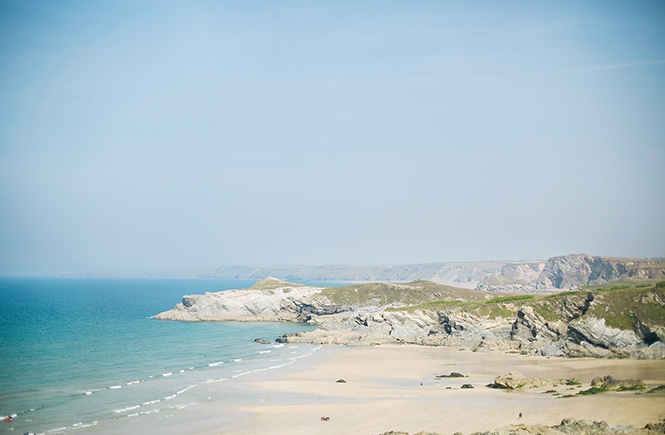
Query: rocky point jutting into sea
{"type": "Point", "coordinates": [622, 320]}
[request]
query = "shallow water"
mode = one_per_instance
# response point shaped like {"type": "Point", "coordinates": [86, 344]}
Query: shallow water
{"type": "Point", "coordinates": [82, 355]}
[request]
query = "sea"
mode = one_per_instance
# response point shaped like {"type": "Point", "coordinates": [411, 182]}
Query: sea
{"type": "Point", "coordinates": [84, 355]}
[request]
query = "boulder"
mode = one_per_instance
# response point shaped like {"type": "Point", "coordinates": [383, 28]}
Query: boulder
{"type": "Point", "coordinates": [510, 381]}
{"type": "Point", "coordinates": [610, 383]}
{"type": "Point", "coordinates": [451, 375]}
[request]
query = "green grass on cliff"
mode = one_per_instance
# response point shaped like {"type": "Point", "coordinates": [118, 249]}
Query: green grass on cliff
{"type": "Point", "coordinates": [546, 311]}
{"type": "Point", "coordinates": [496, 307]}
{"type": "Point", "coordinates": [509, 299]}
{"type": "Point", "coordinates": [271, 284]}
{"type": "Point", "coordinates": [621, 307]}
{"type": "Point", "coordinates": [399, 294]}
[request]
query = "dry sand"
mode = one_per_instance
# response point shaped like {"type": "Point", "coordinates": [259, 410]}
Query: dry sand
{"type": "Point", "coordinates": [383, 392]}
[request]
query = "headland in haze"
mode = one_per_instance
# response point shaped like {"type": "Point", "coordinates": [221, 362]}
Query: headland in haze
{"type": "Point", "coordinates": [420, 355]}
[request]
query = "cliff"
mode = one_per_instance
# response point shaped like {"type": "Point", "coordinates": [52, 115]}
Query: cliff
{"type": "Point", "coordinates": [572, 271]}
{"type": "Point", "coordinates": [626, 322]}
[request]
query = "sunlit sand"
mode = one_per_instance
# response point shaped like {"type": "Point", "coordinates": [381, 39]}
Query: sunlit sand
{"type": "Point", "coordinates": [393, 388]}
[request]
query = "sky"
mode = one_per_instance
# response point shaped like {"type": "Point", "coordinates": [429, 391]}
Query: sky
{"type": "Point", "coordinates": [175, 135]}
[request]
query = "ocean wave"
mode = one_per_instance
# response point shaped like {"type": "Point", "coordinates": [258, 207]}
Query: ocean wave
{"type": "Point", "coordinates": [215, 364]}
{"type": "Point", "coordinates": [152, 402]}
{"type": "Point", "coordinates": [115, 387]}
{"type": "Point", "coordinates": [261, 370]}
{"type": "Point", "coordinates": [307, 354]}
{"type": "Point", "coordinates": [187, 388]}
{"type": "Point", "coordinates": [167, 374]}
{"type": "Point", "coordinates": [84, 425]}
{"type": "Point", "coordinates": [264, 351]}
{"type": "Point", "coordinates": [152, 411]}
{"type": "Point", "coordinates": [129, 408]}
{"type": "Point", "coordinates": [75, 426]}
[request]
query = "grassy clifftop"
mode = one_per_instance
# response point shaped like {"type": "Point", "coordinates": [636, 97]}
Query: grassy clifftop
{"type": "Point", "coordinates": [622, 306]}
{"type": "Point", "coordinates": [402, 294]}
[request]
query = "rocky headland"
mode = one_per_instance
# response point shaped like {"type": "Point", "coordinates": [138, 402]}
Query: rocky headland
{"type": "Point", "coordinates": [614, 322]}
{"type": "Point", "coordinates": [572, 271]}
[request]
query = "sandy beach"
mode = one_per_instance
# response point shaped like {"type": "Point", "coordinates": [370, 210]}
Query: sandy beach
{"type": "Point", "coordinates": [393, 388]}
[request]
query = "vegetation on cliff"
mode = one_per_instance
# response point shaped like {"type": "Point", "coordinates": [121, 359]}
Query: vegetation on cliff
{"type": "Point", "coordinates": [603, 321]}
{"type": "Point", "coordinates": [402, 294]}
{"type": "Point", "coordinates": [622, 306]}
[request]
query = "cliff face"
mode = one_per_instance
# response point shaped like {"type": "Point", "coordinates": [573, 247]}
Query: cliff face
{"type": "Point", "coordinates": [270, 300]}
{"type": "Point", "coordinates": [569, 324]}
{"type": "Point", "coordinates": [571, 271]}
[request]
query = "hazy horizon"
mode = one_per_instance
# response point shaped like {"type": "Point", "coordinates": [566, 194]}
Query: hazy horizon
{"type": "Point", "coordinates": [170, 135]}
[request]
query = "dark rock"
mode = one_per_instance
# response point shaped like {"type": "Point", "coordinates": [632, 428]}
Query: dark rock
{"type": "Point", "coordinates": [451, 375]}
{"type": "Point", "coordinates": [656, 427]}
{"type": "Point", "coordinates": [260, 340]}
{"type": "Point", "coordinates": [610, 383]}
{"type": "Point", "coordinates": [510, 381]}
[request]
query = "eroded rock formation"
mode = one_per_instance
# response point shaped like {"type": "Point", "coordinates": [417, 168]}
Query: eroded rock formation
{"type": "Point", "coordinates": [571, 271]}
{"type": "Point", "coordinates": [570, 330]}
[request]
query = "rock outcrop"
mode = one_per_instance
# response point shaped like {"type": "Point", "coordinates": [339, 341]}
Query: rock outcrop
{"type": "Point", "coordinates": [571, 271]}
{"type": "Point", "coordinates": [269, 300]}
{"type": "Point", "coordinates": [610, 383]}
{"type": "Point", "coordinates": [567, 325]}
{"type": "Point", "coordinates": [514, 381]}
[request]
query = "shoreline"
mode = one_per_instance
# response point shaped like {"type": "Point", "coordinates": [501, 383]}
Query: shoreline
{"type": "Point", "coordinates": [383, 392]}
{"type": "Point", "coordinates": [223, 413]}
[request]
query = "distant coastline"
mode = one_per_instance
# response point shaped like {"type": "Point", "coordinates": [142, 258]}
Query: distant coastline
{"type": "Point", "coordinates": [561, 272]}
{"type": "Point", "coordinates": [441, 272]}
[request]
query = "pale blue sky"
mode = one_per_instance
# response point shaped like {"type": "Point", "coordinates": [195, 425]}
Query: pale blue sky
{"type": "Point", "coordinates": [172, 135]}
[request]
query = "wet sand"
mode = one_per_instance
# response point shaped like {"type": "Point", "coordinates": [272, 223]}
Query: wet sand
{"type": "Point", "coordinates": [383, 392]}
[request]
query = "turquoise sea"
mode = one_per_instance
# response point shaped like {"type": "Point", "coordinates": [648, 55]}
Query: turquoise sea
{"type": "Point", "coordinates": [83, 355]}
